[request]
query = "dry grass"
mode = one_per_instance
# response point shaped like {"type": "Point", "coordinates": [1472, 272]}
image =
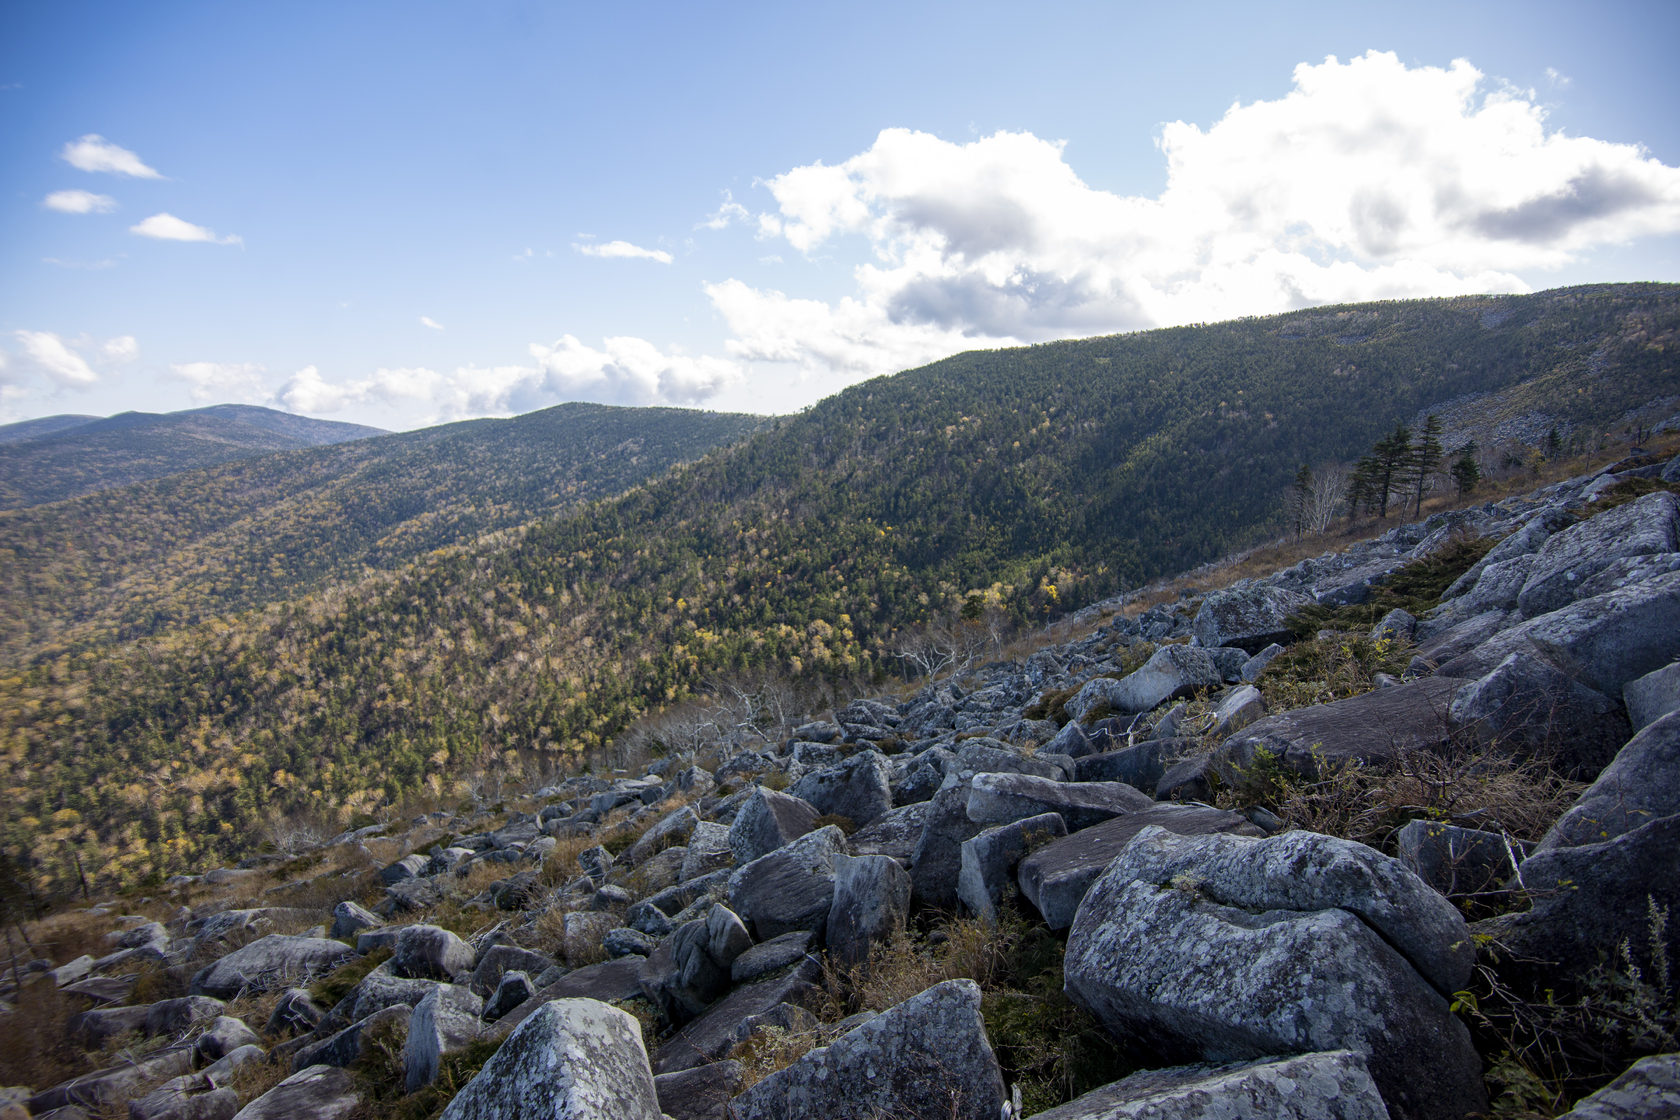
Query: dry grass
{"type": "Point", "coordinates": [34, 1048]}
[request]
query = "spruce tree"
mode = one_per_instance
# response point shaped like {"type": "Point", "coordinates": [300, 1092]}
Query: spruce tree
{"type": "Point", "coordinates": [1423, 456]}
{"type": "Point", "coordinates": [1465, 472]}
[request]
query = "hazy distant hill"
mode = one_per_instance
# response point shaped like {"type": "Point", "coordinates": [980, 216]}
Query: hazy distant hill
{"type": "Point", "coordinates": [58, 457]}
{"type": "Point", "coordinates": [133, 560]}
{"type": "Point", "coordinates": [1028, 480]}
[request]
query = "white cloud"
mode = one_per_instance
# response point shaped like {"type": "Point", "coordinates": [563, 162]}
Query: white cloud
{"type": "Point", "coordinates": [1367, 180]}
{"type": "Point", "coordinates": [79, 202]}
{"type": "Point", "coordinates": [726, 214]}
{"type": "Point", "coordinates": [95, 153]}
{"type": "Point", "coordinates": [71, 362]}
{"type": "Point", "coordinates": [219, 381]}
{"type": "Point", "coordinates": [167, 227]}
{"type": "Point", "coordinates": [623, 250]}
{"type": "Point", "coordinates": [91, 266]}
{"type": "Point", "coordinates": [428, 321]}
{"type": "Point", "coordinates": [308, 391]}
{"type": "Point", "coordinates": [628, 371]}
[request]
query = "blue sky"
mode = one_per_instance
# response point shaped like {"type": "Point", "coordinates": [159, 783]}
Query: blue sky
{"type": "Point", "coordinates": [405, 213]}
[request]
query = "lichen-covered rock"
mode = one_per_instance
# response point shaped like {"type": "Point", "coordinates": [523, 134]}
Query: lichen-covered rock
{"type": "Point", "coordinates": [513, 989]}
{"type": "Point", "coordinates": [871, 903]}
{"type": "Point", "coordinates": [431, 953]}
{"type": "Point", "coordinates": [926, 1058]}
{"type": "Point", "coordinates": [275, 961]}
{"type": "Point", "coordinates": [223, 1036]}
{"type": "Point", "coordinates": [712, 1035]}
{"type": "Point", "coordinates": [989, 861]}
{"type": "Point", "coordinates": [1001, 798]}
{"type": "Point", "coordinates": [1530, 708]}
{"type": "Point", "coordinates": [1649, 1089]}
{"type": "Point", "coordinates": [1569, 558]}
{"type": "Point", "coordinates": [767, 821]}
{"type": "Point", "coordinates": [1653, 696]}
{"type": "Point", "coordinates": [355, 1042]}
{"type": "Point", "coordinates": [1269, 947]}
{"type": "Point", "coordinates": [1641, 785]}
{"type": "Point", "coordinates": [1172, 672]}
{"type": "Point", "coordinates": [1454, 860]}
{"type": "Point", "coordinates": [707, 851]}
{"type": "Point", "coordinates": [1373, 727]}
{"type": "Point", "coordinates": [574, 1059]}
{"type": "Point", "coordinates": [319, 1092]}
{"type": "Point", "coordinates": [1334, 1085]}
{"type": "Point", "coordinates": [1249, 618]}
{"type": "Point", "coordinates": [443, 1023]}
{"type": "Point", "coordinates": [690, 968]}
{"type": "Point", "coordinates": [790, 888]}
{"type": "Point", "coordinates": [859, 789]}
{"type": "Point", "coordinates": [350, 919]}
{"type": "Point", "coordinates": [936, 859]}
{"type": "Point", "coordinates": [669, 831]}
{"type": "Point", "coordinates": [701, 1093]}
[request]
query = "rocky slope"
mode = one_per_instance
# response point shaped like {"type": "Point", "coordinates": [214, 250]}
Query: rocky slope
{"type": "Point", "coordinates": [719, 935]}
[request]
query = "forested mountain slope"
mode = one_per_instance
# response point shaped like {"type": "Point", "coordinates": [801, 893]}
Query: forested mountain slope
{"type": "Point", "coordinates": [1037, 479]}
{"type": "Point", "coordinates": [140, 559]}
{"type": "Point", "coordinates": [55, 460]}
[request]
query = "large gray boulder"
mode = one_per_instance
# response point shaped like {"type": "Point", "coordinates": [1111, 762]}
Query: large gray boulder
{"type": "Point", "coordinates": [711, 1036]}
{"type": "Point", "coordinates": [443, 1023]}
{"type": "Point", "coordinates": [431, 953]}
{"type": "Point", "coordinates": [319, 1092]}
{"type": "Point", "coordinates": [989, 861]}
{"type": "Point", "coordinates": [859, 789]}
{"type": "Point", "coordinates": [1250, 618]}
{"type": "Point", "coordinates": [1270, 947]}
{"type": "Point", "coordinates": [575, 1059]}
{"type": "Point", "coordinates": [1604, 642]}
{"type": "Point", "coordinates": [669, 831]}
{"type": "Point", "coordinates": [1454, 860]}
{"type": "Point", "coordinates": [767, 821]}
{"type": "Point", "coordinates": [1653, 696]}
{"type": "Point", "coordinates": [1641, 785]}
{"type": "Point", "coordinates": [1569, 558]}
{"type": "Point", "coordinates": [1001, 798]}
{"type": "Point", "coordinates": [1334, 1085]}
{"type": "Point", "coordinates": [701, 1093]}
{"type": "Point", "coordinates": [1650, 1088]}
{"type": "Point", "coordinates": [1172, 672]}
{"type": "Point", "coordinates": [871, 903]}
{"type": "Point", "coordinates": [1055, 877]}
{"type": "Point", "coordinates": [1376, 726]}
{"type": "Point", "coordinates": [276, 961]}
{"type": "Point", "coordinates": [790, 888]}
{"type": "Point", "coordinates": [355, 1042]}
{"type": "Point", "coordinates": [937, 858]}
{"type": "Point", "coordinates": [691, 967]}
{"type": "Point", "coordinates": [1528, 707]}
{"type": "Point", "coordinates": [893, 834]}
{"type": "Point", "coordinates": [708, 850]}
{"type": "Point", "coordinates": [927, 1057]}
{"type": "Point", "coordinates": [113, 1084]}
{"type": "Point", "coordinates": [1524, 542]}
{"type": "Point", "coordinates": [1140, 766]}
{"type": "Point", "coordinates": [349, 919]}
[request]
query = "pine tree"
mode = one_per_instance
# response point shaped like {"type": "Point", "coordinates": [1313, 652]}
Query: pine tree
{"type": "Point", "coordinates": [1465, 471]}
{"type": "Point", "coordinates": [1389, 463]}
{"type": "Point", "coordinates": [1423, 456]}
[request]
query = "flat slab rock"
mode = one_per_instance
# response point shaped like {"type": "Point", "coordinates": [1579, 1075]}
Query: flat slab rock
{"type": "Point", "coordinates": [319, 1092]}
{"type": "Point", "coordinates": [927, 1057]}
{"type": "Point", "coordinates": [712, 1035]}
{"type": "Point", "coordinates": [1373, 727]}
{"type": "Point", "coordinates": [1334, 1085]}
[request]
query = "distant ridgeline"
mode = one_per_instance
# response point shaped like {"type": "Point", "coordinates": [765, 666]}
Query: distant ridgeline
{"type": "Point", "coordinates": [1028, 480]}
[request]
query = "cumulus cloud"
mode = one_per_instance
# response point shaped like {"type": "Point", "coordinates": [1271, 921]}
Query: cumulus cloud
{"type": "Point", "coordinates": [219, 381]}
{"type": "Point", "coordinates": [623, 250]}
{"type": "Point", "coordinates": [307, 391]}
{"type": "Point", "coordinates": [167, 227]}
{"type": "Point", "coordinates": [72, 362]}
{"type": "Point", "coordinates": [728, 213]}
{"type": "Point", "coordinates": [79, 202]}
{"type": "Point", "coordinates": [95, 153]}
{"type": "Point", "coordinates": [428, 321]}
{"type": "Point", "coordinates": [1367, 180]}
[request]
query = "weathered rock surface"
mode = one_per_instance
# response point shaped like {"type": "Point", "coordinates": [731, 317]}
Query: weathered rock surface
{"type": "Point", "coordinates": [1641, 785]}
{"type": "Point", "coordinates": [319, 1092]}
{"type": "Point", "coordinates": [446, 1021]}
{"type": "Point", "coordinates": [767, 821]}
{"type": "Point", "coordinates": [1328, 1086]}
{"type": "Point", "coordinates": [1001, 798]}
{"type": "Point", "coordinates": [275, 961]}
{"type": "Point", "coordinates": [1649, 1089]}
{"type": "Point", "coordinates": [1653, 696]}
{"type": "Point", "coordinates": [575, 1059]}
{"type": "Point", "coordinates": [791, 888]}
{"type": "Point", "coordinates": [1454, 860]}
{"type": "Point", "coordinates": [871, 902]}
{"type": "Point", "coordinates": [927, 1057]}
{"type": "Point", "coordinates": [1373, 727]}
{"type": "Point", "coordinates": [859, 789]}
{"type": "Point", "coordinates": [1530, 708]}
{"type": "Point", "coordinates": [714, 1034]}
{"type": "Point", "coordinates": [1172, 672]}
{"type": "Point", "coordinates": [1569, 558]}
{"type": "Point", "coordinates": [937, 858]}
{"type": "Point", "coordinates": [431, 953]}
{"type": "Point", "coordinates": [701, 1093]}
{"type": "Point", "coordinates": [1249, 618]}
{"type": "Point", "coordinates": [989, 860]}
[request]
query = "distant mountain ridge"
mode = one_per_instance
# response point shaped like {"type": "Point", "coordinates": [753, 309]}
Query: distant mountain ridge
{"type": "Point", "coordinates": [59, 457]}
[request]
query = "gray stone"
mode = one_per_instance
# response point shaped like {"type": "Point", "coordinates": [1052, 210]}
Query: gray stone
{"type": "Point", "coordinates": [894, 834]}
{"type": "Point", "coordinates": [1254, 955]}
{"type": "Point", "coordinates": [497, 960]}
{"type": "Point", "coordinates": [770, 956]}
{"type": "Point", "coordinates": [1140, 766]}
{"type": "Point", "coordinates": [1055, 877]}
{"type": "Point", "coordinates": [608, 982]}
{"type": "Point", "coordinates": [296, 1013]}
{"type": "Point", "coordinates": [625, 942]}
{"type": "Point", "coordinates": [1335, 1085]}
{"type": "Point", "coordinates": [927, 1057]}
{"type": "Point", "coordinates": [431, 953]}
{"type": "Point", "coordinates": [444, 1023]}
{"type": "Point", "coordinates": [1249, 618]}
{"type": "Point", "coordinates": [708, 850]}
{"type": "Point", "coordinates": [350, 919]}
{"type": "Point", "coordinates": [1569, 558]}
{"type": "Point", "coordinates": [1650, 1089]}
{"type": "Point", "coordinates": [701, 1093]}
{"type": "Point", "coordinates": [1524, 542]}
{"type": "Point", "coordinates": [319, 1092]}
{"type": "Point", "coordinates": [1071, 741]}
{"type": "Point", "coordinates": [575, 1059]}
{"type": "Point", "coordinates": [1353, 585]}
{"type": "Point", "coordinates": [1454, 860]}
{"type": "Point", "coordinates": [223, 1036]}
{"type": "Point", "coordinates": [1172, 672]}
{"type": "Point", "coordinates": [669, 831]}
{"type": "Point", "coordinates": [1499, 588]}
{"type": "Point", "coordinates": [66, 974]}
{"type": "Point", "coordinates": [581, 935]}
{"type": "Point", "coordinates": [767, 821]}
{"type": "Point", "coordinates": [514, 988]}
{"type": "Point", "coordinates": [790, 888]}
{"type": "Point", "coordinates": [1641, 785]}
{"type": "Point", "coordinates": [595, 862]}
{"type": "Point", "coordinates": [1000, 798]}
{"type": "Point", "coordinates": [1254, 666]}
{"type": "Point", "coordinates": [355, 1042]}
{"type": "Point", "coordinates": [871, 903]}
{"type": "Point", "coordinates": [988, 756]}
{"type": "Point", "coordinates": [1529, 708]}
{"type": "Point", "coordinates": [275, 961]}
{"type": "Point", "coordinates": [377, 990]}
{"type": "Point", "coordinates": [1604, 642]}
{"type": "Point", "coordinates": [93, 1091]}
{"type": "Point", "coordinates": [681, 976]}
{"type": "Point", "coordinates": [989, 861]}
{"type": "Point", "coordinates": [1237, 709]}
{"type": "Point", "coordinates": [937, 858]}
{"type": "Point", "coordinates": [858, 789]}
{"type": "Point", "coordinates": [1376, 726]}
{"type": "Point", "coordinates": [712, 1035]}
{"type": "Point", "coordinates": [1652, 696]}
{"type": "Point", "coordinates": [1396, 624]}
{"type": "Point", "coordinates": [409, 867]}
{"type": "Point", "coordinates": [191, 1096]}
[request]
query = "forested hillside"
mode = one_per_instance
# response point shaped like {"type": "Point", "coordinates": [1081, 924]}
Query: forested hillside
{"type": "Point", "coordinates": [1033, 479]}
{"type": "Point", "coordinates": [58, 457]}
{"type": "Point", "coordinates": [141, 559]}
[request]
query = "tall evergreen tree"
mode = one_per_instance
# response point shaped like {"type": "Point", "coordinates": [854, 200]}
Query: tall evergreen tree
{"type": "Point", "coordinates": [1466, 473]}
{"type": "Point", "coordinates": [1424, 456]}
{"type": "Point", "coordinates": [1389, 463]}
